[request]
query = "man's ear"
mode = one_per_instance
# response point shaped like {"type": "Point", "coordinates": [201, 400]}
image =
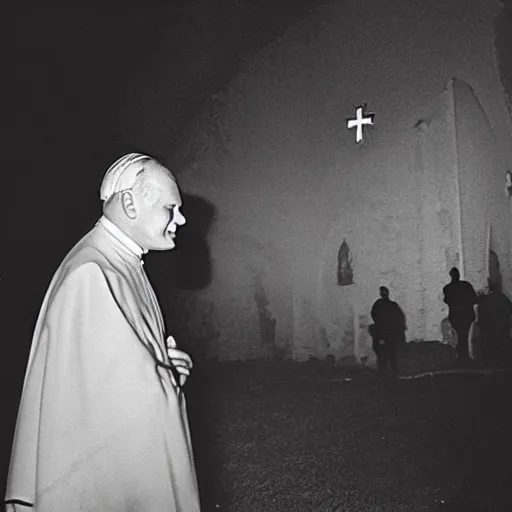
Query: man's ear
{"type": "Point", "coordinates": [128, 204]}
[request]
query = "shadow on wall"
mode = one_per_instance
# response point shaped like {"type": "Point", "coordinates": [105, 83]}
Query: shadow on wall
{"type": "Point", "coordinates": [179, 275]}
{"type": "Point", "coordinates": [191, 261]}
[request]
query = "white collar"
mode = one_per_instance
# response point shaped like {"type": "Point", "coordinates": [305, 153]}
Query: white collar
{"type": "Point", "coordinates": [122, 237]}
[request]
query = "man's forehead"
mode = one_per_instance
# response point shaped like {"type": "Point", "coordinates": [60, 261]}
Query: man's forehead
{"type": "Point", "coordinates": [171, 197]}
{"type": "Point", "coordinates": [169, 191]}
{"type": "Point", "coordinates": [164, 181]}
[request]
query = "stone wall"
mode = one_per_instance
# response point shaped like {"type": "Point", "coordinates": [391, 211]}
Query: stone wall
{"type": "Point", "coordinates": [484, 208]}
{"type": "Point", "coordinates": [289, 183]}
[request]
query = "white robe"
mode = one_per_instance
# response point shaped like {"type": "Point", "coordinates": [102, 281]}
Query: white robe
{"type": "Point", "coordinates": [101, 426]}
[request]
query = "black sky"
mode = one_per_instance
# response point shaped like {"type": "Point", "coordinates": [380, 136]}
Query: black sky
{"type": "Point", "coordinates": [76, 66]}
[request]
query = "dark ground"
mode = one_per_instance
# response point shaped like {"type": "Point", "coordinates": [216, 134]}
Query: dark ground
{"type": "Point", "coordinates": [297, 437]}
{"type": "Point", "coordinates": [283, 436]}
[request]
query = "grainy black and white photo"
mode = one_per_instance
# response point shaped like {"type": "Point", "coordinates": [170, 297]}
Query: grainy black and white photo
{"type": "Point", "coordinates": [258, 256]}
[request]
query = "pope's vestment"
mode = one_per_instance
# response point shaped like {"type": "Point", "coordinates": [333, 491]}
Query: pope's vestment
{"type": "Point", "coordinates": [102, 426]}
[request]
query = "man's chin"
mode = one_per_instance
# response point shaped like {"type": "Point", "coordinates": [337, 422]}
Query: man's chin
{"type": "Point", "coordinates": [164, 244]}
{"type": "Point", "coordinates": [171, 244]}
{"type": "Point", "coordinates": [168, 244]}
{"type": "Point", "coordinates": [163, 248]}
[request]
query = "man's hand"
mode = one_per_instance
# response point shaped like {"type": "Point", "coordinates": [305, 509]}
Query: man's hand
{"type": "Point", "coordinates": [180, 360]}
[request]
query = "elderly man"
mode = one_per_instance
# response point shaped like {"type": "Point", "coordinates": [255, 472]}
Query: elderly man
{"type": "Point", "coordinates": [102, 424]}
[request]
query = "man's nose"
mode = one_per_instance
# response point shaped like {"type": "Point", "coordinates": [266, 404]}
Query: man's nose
{"type": "Point", "coordinates": [179, 218]}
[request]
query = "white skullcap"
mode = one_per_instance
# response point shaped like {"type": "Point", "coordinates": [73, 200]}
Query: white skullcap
{"type": "Point", "coordinates": [121, 175]}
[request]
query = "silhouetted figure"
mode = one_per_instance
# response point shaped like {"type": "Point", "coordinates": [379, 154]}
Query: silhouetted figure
{"type": "Point", "coordinates": [461, 298]}
{"type": "Point", "coordinates": [388, 330]}
{"type": "Point", "coordinates": [494, 319]}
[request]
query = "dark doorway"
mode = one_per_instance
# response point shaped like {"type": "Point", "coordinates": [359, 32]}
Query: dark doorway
{"type": "Point", "coordinates": [494, 268]}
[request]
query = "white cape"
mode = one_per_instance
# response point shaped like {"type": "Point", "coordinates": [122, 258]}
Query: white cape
{"type": "Point", "coordinates": [101, 426]}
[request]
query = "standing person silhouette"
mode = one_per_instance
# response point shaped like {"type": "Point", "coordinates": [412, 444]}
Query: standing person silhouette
{"type": "Point", "coordinates": [388, 330]}
{"type": "Point", "coordinates": [494, 318]}
{"type": "Point", "coordinates": [461, 299]}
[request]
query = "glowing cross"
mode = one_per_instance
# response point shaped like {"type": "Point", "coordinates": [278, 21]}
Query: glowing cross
{"type": "Point", "coordinates": [359, 121]}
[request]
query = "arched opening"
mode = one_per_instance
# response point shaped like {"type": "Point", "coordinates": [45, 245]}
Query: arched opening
{"type": "Point", "coordinates": [494, 270]}
{"type": "Point", "coordinates": [345, 272]}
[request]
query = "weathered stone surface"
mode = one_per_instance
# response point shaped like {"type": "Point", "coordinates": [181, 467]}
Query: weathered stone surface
{"type": "Point", "coordinates": [419, 196]}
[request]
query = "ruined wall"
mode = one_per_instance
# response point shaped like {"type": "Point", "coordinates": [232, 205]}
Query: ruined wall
{"type": "Point", "coordinates": [289, 183]}
{"type": "Point", "coordinates": [440, 245]}
{"type": "Point", "coordinates": [484, 208]}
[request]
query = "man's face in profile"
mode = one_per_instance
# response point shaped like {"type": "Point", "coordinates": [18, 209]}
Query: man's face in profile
{"type": "Point", "coordinates": [159, 216]}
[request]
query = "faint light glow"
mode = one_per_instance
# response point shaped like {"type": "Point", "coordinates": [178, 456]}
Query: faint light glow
{"type": "Point", "coordinates": [360, 120]}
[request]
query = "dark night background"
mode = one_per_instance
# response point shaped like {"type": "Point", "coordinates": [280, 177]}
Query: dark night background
{"type": "Point", "coordinates": [75, 66]}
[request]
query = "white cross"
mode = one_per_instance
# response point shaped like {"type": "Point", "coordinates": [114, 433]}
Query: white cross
{"type": "Point", "coordinates": [358, 123]}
